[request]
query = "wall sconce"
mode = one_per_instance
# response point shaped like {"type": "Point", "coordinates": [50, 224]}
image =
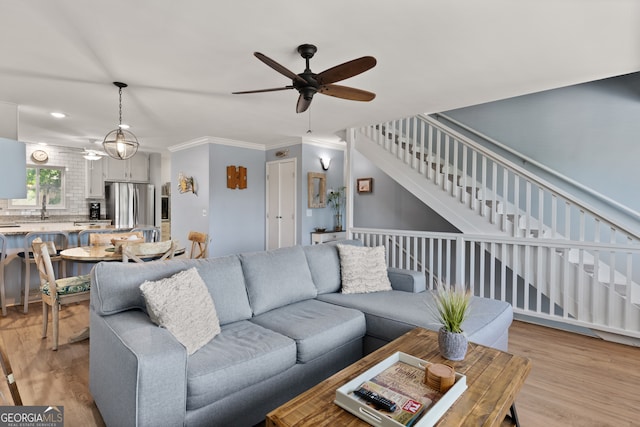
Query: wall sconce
{"type": "Point", "coordinates": [325, 162]}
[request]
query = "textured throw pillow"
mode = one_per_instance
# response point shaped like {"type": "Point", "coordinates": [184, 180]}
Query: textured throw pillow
{"type": "Point", "coordinates": [363, 269]}
{"type": "Point", "coordinates": [182, 304]}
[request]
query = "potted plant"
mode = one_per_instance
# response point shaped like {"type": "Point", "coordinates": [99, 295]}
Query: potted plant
{"type": "Point", "coordinates": [336, 200]}
{"type": "Point", "coordinates": [451, 309]}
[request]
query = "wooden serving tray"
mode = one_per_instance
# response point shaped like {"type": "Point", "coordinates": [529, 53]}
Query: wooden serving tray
{"type": "Point", "coordinates": [433, 413]}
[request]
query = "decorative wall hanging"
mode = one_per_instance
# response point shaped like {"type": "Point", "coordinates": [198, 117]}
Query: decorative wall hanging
{"type": "Point", "coordinates": [316, 190]}
{"type": "Point", "coordinates": [365, 185]}
{"type": "Point", "coordinates": [186, 184]}
{"type": "Point", "coordinates": [282, 153]}
{"type": "Point", "coordinates": [236, 177]}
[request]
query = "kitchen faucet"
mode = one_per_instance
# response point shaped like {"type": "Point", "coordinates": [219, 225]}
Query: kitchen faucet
{"type": "Point", "coordinates": [43, 211]}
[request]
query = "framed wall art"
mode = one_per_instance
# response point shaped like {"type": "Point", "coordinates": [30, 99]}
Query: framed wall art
{"type": "Point", "coordinates": [365, 185]}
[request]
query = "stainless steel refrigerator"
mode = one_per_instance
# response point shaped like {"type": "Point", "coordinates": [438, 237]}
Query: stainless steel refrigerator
{"type": "Point", "coordinates": [129, 204]}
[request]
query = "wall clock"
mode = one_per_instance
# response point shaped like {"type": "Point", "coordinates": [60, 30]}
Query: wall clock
{"type": "Point", "coordinates": [40, 156]}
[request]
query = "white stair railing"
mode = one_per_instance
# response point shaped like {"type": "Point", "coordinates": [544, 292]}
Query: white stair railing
{"type": "Point", "coordinates": [507, 196]}
{"type": "Point", "coordinates": [492, 185]}
{"type": "Point", "coordinates": [531, 274]}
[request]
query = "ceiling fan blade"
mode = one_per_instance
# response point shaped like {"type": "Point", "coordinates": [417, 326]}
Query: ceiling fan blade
{"type": "Point", "coordinates": [263, 90]}
{"type": "Point", "coordinates": [279, 68]}
{"type": "Point", "coordinates": [346, 92]}
{"type": "Point", "coordinates": [346, 70]}
{"type": "Point", "coordinates": [303, 104]}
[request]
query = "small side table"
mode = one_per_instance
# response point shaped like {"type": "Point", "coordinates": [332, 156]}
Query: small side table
{"type": "Point", "coordinates": [318, 237]}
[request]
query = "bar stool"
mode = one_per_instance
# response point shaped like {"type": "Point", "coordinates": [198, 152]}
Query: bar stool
{"type": "Point", "coordinates": [61, 241]}
{"type": "Point", "coordinates": [199, 241]}
{"type": "Point", "coordinates": [3, 258]}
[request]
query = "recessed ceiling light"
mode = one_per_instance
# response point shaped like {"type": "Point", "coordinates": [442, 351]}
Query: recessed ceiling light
{"type": "Point", "coordinates": [58, 115]}
{"type": "Point", "coordinates": [124, 126]}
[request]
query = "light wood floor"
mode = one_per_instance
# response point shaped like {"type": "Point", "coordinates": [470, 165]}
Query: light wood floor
{"type": "Point", "coordinates": [575, 380]}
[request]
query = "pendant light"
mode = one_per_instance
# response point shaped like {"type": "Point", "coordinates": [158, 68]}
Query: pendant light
{"type": "Point", "coordinates": [120, 143]}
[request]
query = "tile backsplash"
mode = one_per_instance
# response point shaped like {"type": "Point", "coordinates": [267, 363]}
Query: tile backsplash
{"type": "Point", "coordinates": [76, 205]}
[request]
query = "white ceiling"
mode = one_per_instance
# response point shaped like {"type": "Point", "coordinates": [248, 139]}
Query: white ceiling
{"type": "Point", "coordinates": [182, 60]}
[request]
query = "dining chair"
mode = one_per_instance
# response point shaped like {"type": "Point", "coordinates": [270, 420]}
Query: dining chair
{"type": "Point", "coordinates": [97, 239]}
{"type": "Point", "coordinates": [84, 236]}
{"type": "Point", "coordinates": [141, 252]}
{"type": "Point", "coordinates": [199, 244]}
{"type": "Point", "coordinates": [8, 375]}
{"type": "Point", "coordinates": [61, 241]}
{"type": "Point", "coordinates": [151, 234]}
{"type": "Point", "coordinates": [3, 259]}
{"type": "Point", "coordinates": [56, 292]}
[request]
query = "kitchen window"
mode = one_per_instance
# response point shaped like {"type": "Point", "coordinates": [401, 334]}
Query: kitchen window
{"type": "Point", "coordinates": [42, 181]}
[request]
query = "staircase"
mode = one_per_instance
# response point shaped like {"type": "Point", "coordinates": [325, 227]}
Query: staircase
{"type": "Point", "coordinates": [559, 252]}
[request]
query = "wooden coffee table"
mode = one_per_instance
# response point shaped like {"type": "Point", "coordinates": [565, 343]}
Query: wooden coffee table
{"type": "Point", "coordinates": [493, 379]}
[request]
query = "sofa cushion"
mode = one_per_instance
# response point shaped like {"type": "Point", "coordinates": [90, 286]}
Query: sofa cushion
{"type": "Point", "coordinates": [243, 354]}
{"type": "Point", "coordinates": [363, 269]}
{"type": "Point", "coordinates": [392, 313]}
{"type": "Point", "coordinates": [276, 278]}
{"type": "Point", "coordinates": [115, 286]}
{"type": "Point", "coordinates": [225, 280]}
{"type": "Point", "coordinates": [316, 327]}
{"type": "Point", "coordinates": [183, 305]}
{"type": "Point", "coordinates": [324, 264]}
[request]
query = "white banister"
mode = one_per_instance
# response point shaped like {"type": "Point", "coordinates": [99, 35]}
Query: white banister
{"type": "Point", "coordinates": [537, 276]}
{"type": "Point", "coordinates": [540, 166]}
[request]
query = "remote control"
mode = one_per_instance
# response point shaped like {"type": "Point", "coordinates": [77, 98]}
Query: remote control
{"type": "Point", "coordinates": [377, 400]}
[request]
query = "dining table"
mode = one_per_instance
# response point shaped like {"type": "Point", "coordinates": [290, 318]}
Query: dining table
{"type": "Point", "coordinates": [95, 254]}
{"type": "Point", "coordinates": [99, 253]}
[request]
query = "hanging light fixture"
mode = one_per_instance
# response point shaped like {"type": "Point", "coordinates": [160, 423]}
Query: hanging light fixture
{"type": "Point", "coordinates": [120, 143]}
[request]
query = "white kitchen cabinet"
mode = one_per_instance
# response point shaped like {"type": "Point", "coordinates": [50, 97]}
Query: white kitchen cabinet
{"type": "Point", "coordinates": [135, 169]}
{"type": "Point", "coordinates": [94, 186]}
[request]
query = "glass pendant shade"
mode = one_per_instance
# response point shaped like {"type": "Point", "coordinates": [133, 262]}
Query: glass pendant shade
{"type": "Point", "coordinates": [119, 143]}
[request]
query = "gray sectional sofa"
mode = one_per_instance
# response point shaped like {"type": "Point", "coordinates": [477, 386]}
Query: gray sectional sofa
{"type": "Point", "coordinates": [285, 326]}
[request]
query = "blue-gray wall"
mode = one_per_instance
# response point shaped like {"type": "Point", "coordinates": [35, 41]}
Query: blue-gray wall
{"type": "Point", "coordinates": [589, 133]}
{"type": "Point", "coordinates": [234, 219]}
{"type": "Point", "coordinates": [187, 208]}
{"type": "Point", "coordinates": [308, 160]}
{"type": "Point", "coordinates": [390, 205]}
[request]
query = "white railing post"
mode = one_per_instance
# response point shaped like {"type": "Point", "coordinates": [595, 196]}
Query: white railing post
{"type": "Point", "coordinates": [460, 281]}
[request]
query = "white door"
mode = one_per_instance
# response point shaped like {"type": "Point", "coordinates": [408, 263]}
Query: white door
{"type": "Point", "coordinates": [281, 203]}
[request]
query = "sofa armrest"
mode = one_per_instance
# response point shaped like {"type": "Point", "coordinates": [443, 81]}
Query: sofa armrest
{"type": "Point", "coordinates": [407, 280]}
{"type": "Point", "coordinates": [137, 371]}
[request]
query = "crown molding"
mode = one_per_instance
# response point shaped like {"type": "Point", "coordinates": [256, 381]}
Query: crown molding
{"type": "Point", "coordinates": [216, 141]}
{"type": "Point", "coordinates": [326, 143]}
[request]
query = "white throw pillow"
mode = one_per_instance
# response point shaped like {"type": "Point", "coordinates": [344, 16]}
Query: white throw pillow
{"type": "Point", "coordinates": [363, 269]}
{"type": "Point", "coordinates": [182, 304]}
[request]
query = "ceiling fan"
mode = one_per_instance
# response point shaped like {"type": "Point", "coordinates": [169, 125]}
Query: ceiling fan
{"type": "Point", "coordinates": [309, 83]}
{"type": "Point", "coordinates": [89, 153]}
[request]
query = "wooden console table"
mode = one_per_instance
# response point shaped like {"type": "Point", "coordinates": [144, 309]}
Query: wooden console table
{"type": "Point", "coordinates": [493, 379]}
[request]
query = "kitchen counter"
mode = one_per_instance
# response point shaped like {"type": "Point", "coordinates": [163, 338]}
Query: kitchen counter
{"type": "Point", "coordinates": [15, 229]}
{"type": "Point", "coordinates": [19, 228]}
